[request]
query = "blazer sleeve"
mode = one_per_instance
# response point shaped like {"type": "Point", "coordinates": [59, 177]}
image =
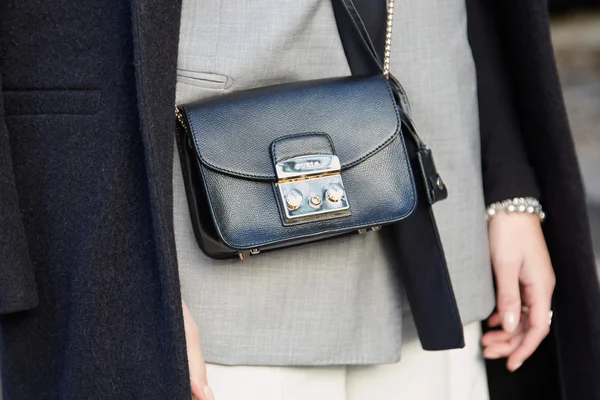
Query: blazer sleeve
{"type": "Point", "coordinates": [17, 282]}
{"type": "Point", "coordinates": [505, 166]}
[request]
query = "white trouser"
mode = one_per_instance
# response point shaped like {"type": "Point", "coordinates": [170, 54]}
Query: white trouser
{"type": "Point", "coordinates": [421, 375]}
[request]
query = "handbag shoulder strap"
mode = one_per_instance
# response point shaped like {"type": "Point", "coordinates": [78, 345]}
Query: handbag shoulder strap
{"type": "Point", "coordinates": [420, 259]}
{"type": "Point", "coordinates": [366, 40]}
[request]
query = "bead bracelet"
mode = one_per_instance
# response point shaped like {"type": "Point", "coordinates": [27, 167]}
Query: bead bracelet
{"type": "Point", "coordinates": [527, 205]}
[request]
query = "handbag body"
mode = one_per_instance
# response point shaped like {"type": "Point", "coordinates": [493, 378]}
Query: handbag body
{"type": "Point", "coordinates": [292, 163]}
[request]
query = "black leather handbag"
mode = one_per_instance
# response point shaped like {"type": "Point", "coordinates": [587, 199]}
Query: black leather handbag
{"type": "Point", "coordinates": [283, 165]}
{"type": "Point", "coordinates": [292, 163]}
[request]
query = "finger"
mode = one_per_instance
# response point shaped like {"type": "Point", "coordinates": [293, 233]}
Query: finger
{"type": "Point", "coordinates": [503, 349]}
{"type": "Point", "coordinates": [508, 291]}
{"type": "Point", "coordinates": [539, 327]}
{"type": "Point", "coordinates": [494, 320]}
{"type": "Point", "coordinates": [499, 336]}
{"type": "Point", "coordinates": [537, 287]}
{"type": "Point", "coordinates": [197, 366]}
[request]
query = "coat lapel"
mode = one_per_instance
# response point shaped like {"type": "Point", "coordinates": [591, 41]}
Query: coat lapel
{"type": "Point", "coordinates": [156, 39]}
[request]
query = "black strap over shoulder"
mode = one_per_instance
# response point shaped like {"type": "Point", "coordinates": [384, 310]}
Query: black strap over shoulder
{"type": "Point", "coordinates": [418, 253]}
{"type": "Point", "coordinates": [361, 25]}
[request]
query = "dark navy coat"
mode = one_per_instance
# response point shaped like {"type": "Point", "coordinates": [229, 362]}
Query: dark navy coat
{"type": "Point", "coordinates": [90, 303]}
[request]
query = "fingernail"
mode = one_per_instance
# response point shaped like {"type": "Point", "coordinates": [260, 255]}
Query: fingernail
{"type": "Point", "coordinates": [209, 393]}
{"type": "Point", "coordinates": [516, 367]}
{"type": "Point", "coordinates": [491, 356]}
{"type": "Point", "coordinates": [509, 321]}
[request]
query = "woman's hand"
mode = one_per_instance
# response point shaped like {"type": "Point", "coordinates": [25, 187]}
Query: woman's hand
{"type": "Point", "coordinates": [524, 277]}
{"type": "Point", "coordinates": [199, 383]}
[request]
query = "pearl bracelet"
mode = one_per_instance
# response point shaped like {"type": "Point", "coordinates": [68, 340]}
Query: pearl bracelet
{"type": "Point", "coordinates": [527, 205]}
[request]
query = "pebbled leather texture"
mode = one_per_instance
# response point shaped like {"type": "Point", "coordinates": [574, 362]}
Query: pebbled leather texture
{"type": "Point", "coordinates": [247, 215]}
{"type": "Point", "coordinates": [301, 144]}
{"type": "Point", "coordinates": [202, 221]}
{"type": "Point", "coordinates": [435, 188]}
{"type": "Point", "coordinates": [232, 138]}
{"type": "Point", "coordinates": [233, 133]}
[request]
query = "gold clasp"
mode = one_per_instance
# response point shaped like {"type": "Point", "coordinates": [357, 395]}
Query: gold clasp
{"type": "Point", "coordinates": [311, 185]}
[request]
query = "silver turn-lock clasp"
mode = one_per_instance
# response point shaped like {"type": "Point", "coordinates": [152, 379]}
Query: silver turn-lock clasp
{"type": "Point", "coordinates": [310, 186]}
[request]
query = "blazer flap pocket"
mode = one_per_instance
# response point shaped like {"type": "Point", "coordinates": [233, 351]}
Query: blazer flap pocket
{"type": "Point", "coordinates": [205, 80]}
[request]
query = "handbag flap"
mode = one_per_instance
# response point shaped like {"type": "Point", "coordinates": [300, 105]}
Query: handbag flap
{"type": "Point", "coordinates": [233, 133]}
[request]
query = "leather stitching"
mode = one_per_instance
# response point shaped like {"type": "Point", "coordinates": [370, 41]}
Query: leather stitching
{"type": "Point", "coordinates": [364, 224]}
{"type": "Point", "coordinates": [430, 195]}
{"type": "Point", "coordinates": [271, 178]}
{"type": "Point", "coordinates": [388, 141]}
{"type": "Point", "coordinates": [364, 31]}
{"type": "Point", "coordinates": [214, 167]}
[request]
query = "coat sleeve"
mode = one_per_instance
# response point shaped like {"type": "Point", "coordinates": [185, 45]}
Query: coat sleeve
{"type": "Point", "coordinates": [505, 166]}
{"type": "Point", "coordinates": [17, 283]}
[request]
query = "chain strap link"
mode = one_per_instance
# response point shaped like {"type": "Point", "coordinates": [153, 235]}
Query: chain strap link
{"type": "Point", "coordinates": [388, 38]}
{"type": "Point", "coordinates": [178, 115]}
{"type": "Point", "coordinates": [180, 119]}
